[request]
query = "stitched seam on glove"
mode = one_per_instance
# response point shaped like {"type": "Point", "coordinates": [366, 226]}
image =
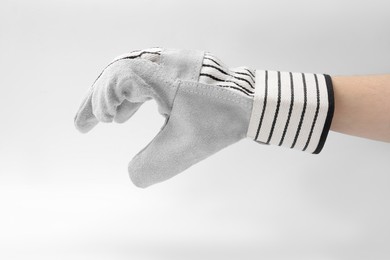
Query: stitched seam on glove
{"type": "Point", "coordinates": [212, 91]}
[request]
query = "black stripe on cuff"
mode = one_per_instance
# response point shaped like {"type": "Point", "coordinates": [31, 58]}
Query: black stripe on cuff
{"type": "Point", "coordinates": [329, 116]}
{"type": "Point", "coordinates": [264, 105]}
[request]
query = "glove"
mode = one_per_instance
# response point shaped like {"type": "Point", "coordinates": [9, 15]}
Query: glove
{"type": "Point", "coordinates": [207, 107]}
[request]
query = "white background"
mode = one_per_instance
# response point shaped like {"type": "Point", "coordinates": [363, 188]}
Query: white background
{"type": "Point", "coordinates": [65, 195]}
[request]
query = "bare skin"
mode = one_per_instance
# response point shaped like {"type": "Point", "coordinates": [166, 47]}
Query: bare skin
{"type": "Point", "coordinates": [362, 106]}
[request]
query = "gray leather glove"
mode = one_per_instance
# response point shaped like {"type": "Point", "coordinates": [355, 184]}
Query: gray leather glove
{"type": "Point", "coordinates": [206, 112]}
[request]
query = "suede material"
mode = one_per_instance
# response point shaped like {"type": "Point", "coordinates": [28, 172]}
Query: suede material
{"type": "Point", "coordinates": [125, 84]}
{"type": "Point", "coordinates": [204, 120]}
{"type": "Point", "coordinates": [201, 119]}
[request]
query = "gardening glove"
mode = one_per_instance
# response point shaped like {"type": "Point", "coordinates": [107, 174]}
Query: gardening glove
{"type": "Point", "coordinates": [207, 107]}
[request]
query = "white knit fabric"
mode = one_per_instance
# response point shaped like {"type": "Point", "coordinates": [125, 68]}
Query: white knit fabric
{"type": "Point", "coordinates": [291, 110]}
{"type": "Point", "coordinates": [214, 72]}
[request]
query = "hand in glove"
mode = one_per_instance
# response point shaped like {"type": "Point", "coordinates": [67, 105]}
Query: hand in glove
{"type": "Point", "coordinates": [207, 107]}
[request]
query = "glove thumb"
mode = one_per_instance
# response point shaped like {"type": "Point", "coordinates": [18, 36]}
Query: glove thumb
{"type": "Point", "coordinates": [203, 121]}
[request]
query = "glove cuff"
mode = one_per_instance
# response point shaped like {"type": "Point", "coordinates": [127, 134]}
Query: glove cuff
{"type": "Point", "coordinates": [292, 110]}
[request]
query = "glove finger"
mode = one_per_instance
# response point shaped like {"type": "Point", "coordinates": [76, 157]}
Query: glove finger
{"type": "Point", "coordinates": [85, 120]}
{"type": "Point", "coordinates": [125, 111]}
{"type": "Point", "coordinates": [122, 81]}
{"type": "Point", "coordinates": [102, 100]}
{"type": "Point", "coordinates": [136, 79]}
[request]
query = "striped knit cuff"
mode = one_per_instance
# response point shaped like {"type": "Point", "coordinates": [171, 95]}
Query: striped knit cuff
{"type": "Point", "coordinates": [291, 109]}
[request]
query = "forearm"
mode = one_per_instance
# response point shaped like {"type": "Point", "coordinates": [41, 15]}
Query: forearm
{"type": "Point", "coordinates": [362, 106]}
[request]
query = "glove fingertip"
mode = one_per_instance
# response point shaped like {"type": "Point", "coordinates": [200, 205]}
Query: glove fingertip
{"type": "Point", "coordinates": [137, 179]}
{"type": "Point", "coordinates": [84, 119]}
{"type": "Point", "coordinates": [139, 171]}
{"type": "Point", "coordinates": [83, 125]}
